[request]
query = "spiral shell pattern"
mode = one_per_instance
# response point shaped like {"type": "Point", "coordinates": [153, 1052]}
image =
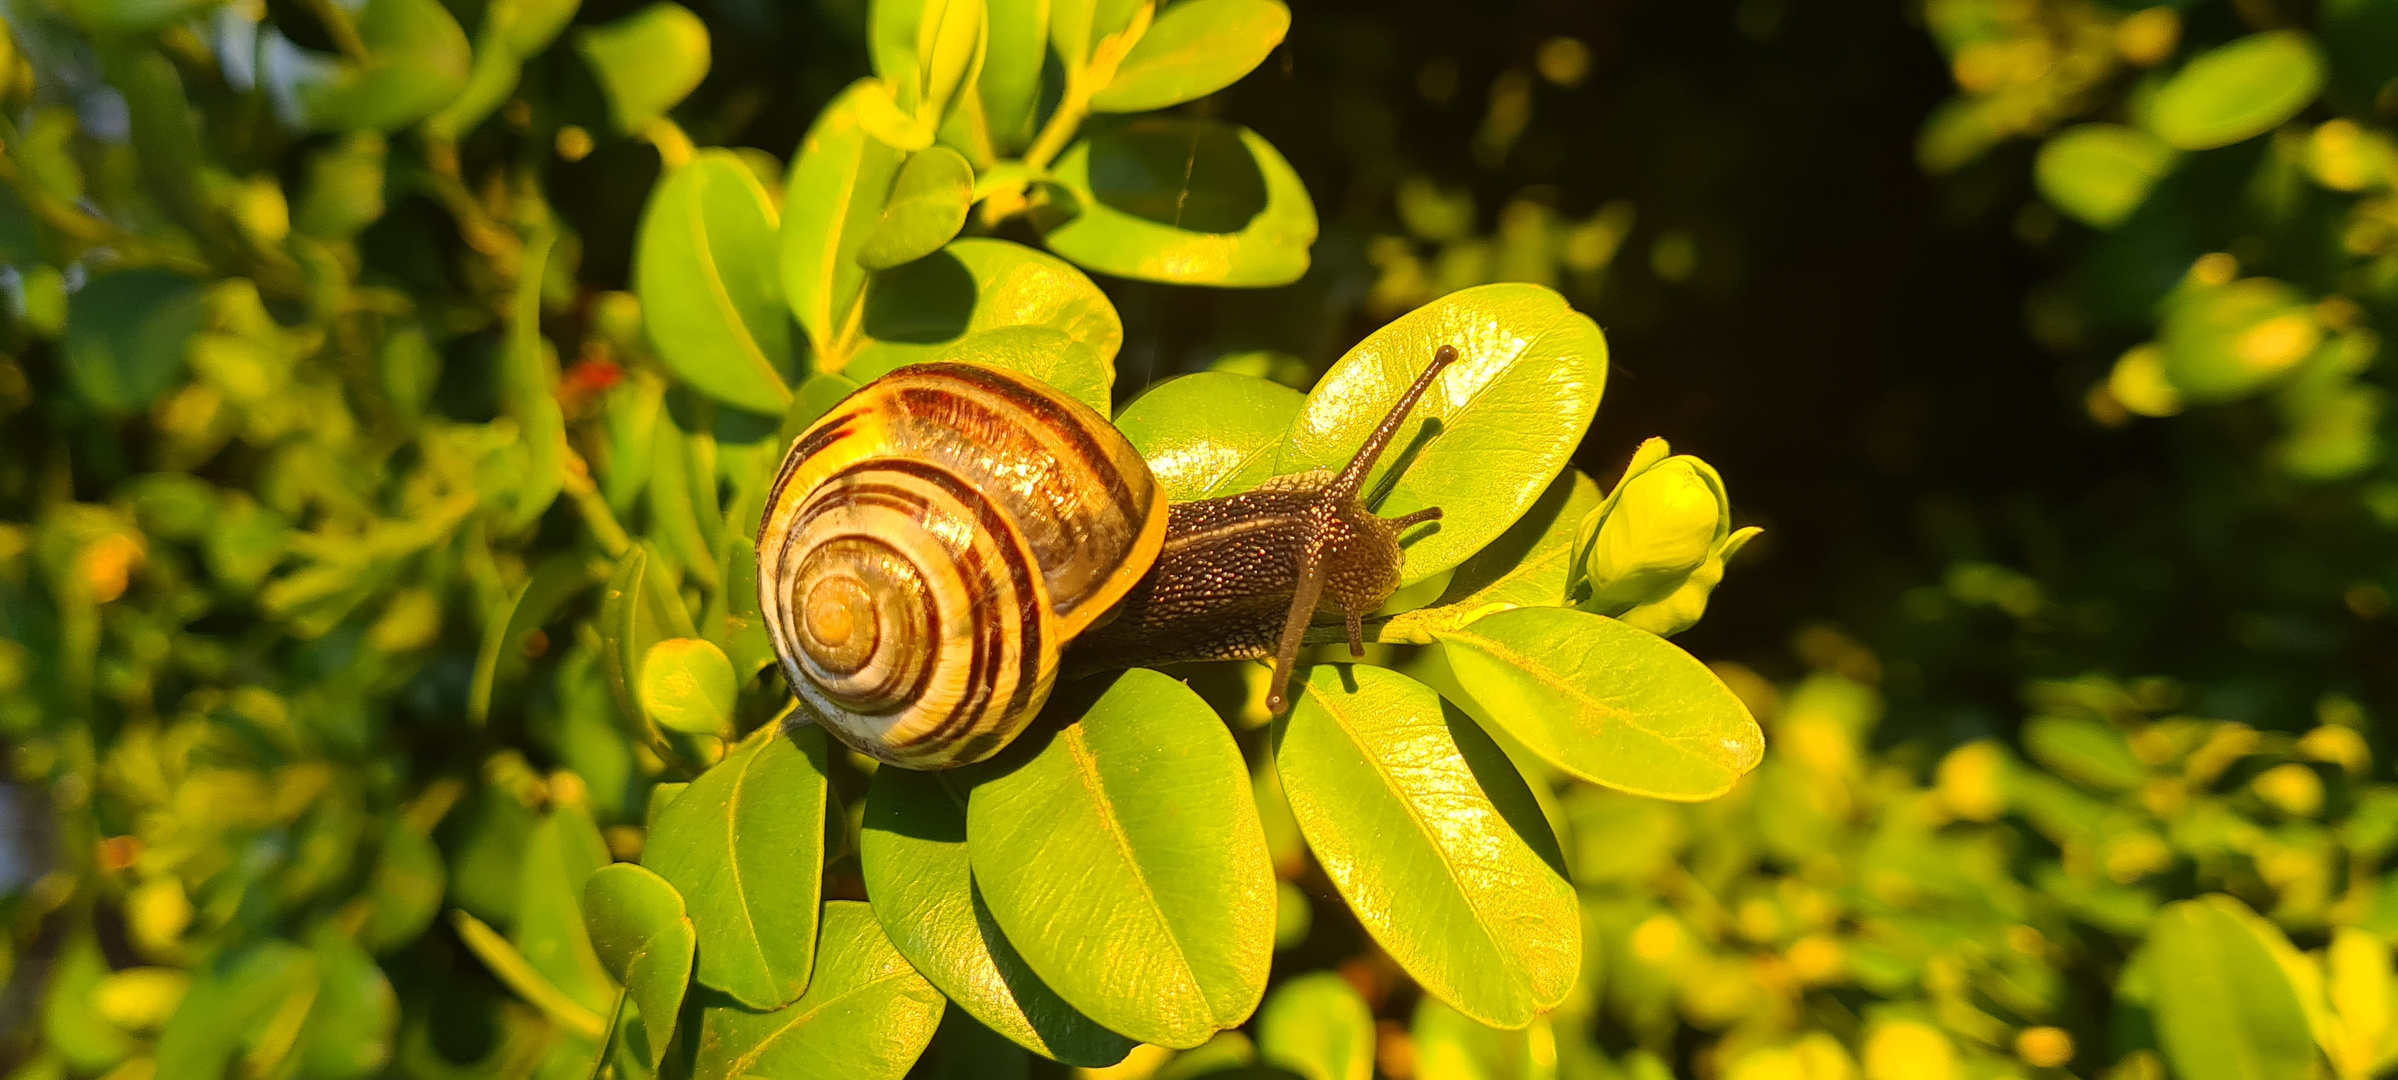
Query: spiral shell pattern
{"type": "Point", "coordinates": [933, 543]}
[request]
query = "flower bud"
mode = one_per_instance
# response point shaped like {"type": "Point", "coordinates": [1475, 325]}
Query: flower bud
{"type": "Point", "coordinates": [1661, 524]}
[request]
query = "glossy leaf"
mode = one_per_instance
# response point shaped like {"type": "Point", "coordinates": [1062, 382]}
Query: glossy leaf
{"type": "Point", "coordinates": [2237, 91]}
{"type": "Point", "coordinates": [867, 1015]}
{"type": "Point", "coordinates": [1194, 49]}
{"type": "Point", "coordinates": [1605, 702]}
{"type": "Point", "coordinates": [417, 60]}
{"type": "Point", "coordinates": [2224, 1007]}
{"type": "Point", "coordinates": [927, 207]}
{"type": "Point", "coordinates": [1010, 83]}
{"type": "Point", "coordinates": [647, 61]}
{"type": "Point", "coordinates": [638, 609]}
{"type": "Point", "coordinates": [744, 845]}
{"type": "Point", "coordinates": [1530, 565]}
{"type": "Point", "coordinates": [926, 308]}
{"type": "Point", "coordinates": [912, 852]}
{"type": "Point", "coordinates": [126, 333]}
{"type": "Point", "coordinates": [687, 684]}
{"type": "Point", "coordinates": [2100, 173]}
{"type": "Point", "coordinates": [838, 181]}
{"type": "Point", "coordinates": [1433, 839]}
{"type": "Point", "coordinates": [710, 284]}
{"type": "Point", "coordinates": [1488, 436]}
{"type": "Point", "coordinates": [1192, 202]}
{"type": "Point", "coordinates": [560, 855]}
{"type": "Point", "coordinates": [1319, 1027]}
{"type": "Point", "coordinates": [1211, 433]}
{"type": "Point", "coordinates": [1166, 930]}
{"type": "Point", "coordinates": [643, 937]}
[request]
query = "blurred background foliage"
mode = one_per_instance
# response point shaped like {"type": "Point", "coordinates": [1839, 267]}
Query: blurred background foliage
{"type": "Point", "coordinates": [2041, 335]}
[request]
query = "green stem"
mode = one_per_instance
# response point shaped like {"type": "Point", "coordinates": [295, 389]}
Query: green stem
{"type": "Point", "coordinates": [337, 23]}
{"type": "Point", "coordinates": [1071, 112]}
{"type": "Point", "coordinates": [602, 521]}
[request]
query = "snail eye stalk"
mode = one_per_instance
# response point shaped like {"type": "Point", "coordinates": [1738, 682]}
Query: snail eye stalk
{"type": "Point", "coordinates": [1343, 488]}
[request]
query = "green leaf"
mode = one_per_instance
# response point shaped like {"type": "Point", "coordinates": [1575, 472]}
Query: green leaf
{"type": "Point", "coordinates": [1044, 353]}
{"type": "Point", "coordinates": [513, 31]}
{"type": "Point", "coordinates": [2100, 173]}
{"type": "Point", "coordinates": [912, 852]}
{"type": "Point", "coordinates": [558, 579]}
{"type": "Point", "coordinates": [833, 200]}
{"type": "Point", "coordinates": [1605, 702]}
{"type": "Point", "coordinates": [1211, 433]}
{"type": "Point", "coordinates": [1529, 565]}
{"type": "Point", "coordinates": [233, 1000]}
{"type": "Point", "coordinates": [406, 888]}
{"type": "Point", "coordinates": [2237, 91]}
{"type": "Point", "coordinates": [687, 684]}
{"type": "Point", "coordinates": [2088, 752]}
{"type": "Point", "coordinates": [638, 609]}
{"type": "Point", "coordinates": [920, 311]}
{"type": "Point", "coordinates": [351, 1023]}
{"type": "Point", "coordinates": [711, 292]}
{"type": "Point", "coordinates": [1489, 435]}
{"type": "Point", "coordinates": [744, 845]}
{"type": "Point", "coordinates": [1010, 83]}
{"type": "Point", "coordinates": [2222, 343]}
{"type": "Point", "coordinates": [417, 60]}
{"type": "Point", "coordinates": [559, 857]}
{"type": "Point", "coordinates": [1194, 49]}
{"type": "Point", "coordinates": [926, 209]}
{"type": "Point", "coordinates": [1165, 928]}
{"type": "Point", "coordinates": [529, 387]}
{"type": "Point", "coordinates": [126, 333]}
{"type": "Point", "coordinates": [2225, 1008]}
{"type": "Point", "coordinates": [1433, 839]}
{"type": "Point", "coordinates": [1317, 1026]}
{"type": "Point", "coordinates": [926, 51]}
{"type": "Point", "coordinates": [71, 1021]}
{"type": "Point", "coordinates": [647, 61]}
{"type": "Point", "coordinates": [866, 1016]}
{"type": "Point", "coordinates": [641, 934]}
{"type": "Point", "coordinates": [1185, 201]}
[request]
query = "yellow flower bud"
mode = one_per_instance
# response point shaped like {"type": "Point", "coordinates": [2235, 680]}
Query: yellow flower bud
{"type": "Point", "coordinates": [1664, 524]}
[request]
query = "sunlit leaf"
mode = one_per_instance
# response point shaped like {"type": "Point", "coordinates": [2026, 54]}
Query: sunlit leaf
{"type": "Point", "coordinates": [710, 288]}
{"type": "Point", "coordinates": [642, 936]}
{"type": "Point", "coordinates": [1490, 433]}
{"type": "Point", "coordinates": [912, 852]}
{"type": "Point", "coordinates": [1211, 433]}
{"type": "Point", "coordinates": [1433, 839]}
{"type": "Point", "coordinates": [927, 207]}
{"type": "Point", "coordinates": [1605, 702]}
{"type": "Point", "coordinates": [1193, 202]}
{"type": "Point", "coordinates": [2099, 173]}
{"type": "Point", "coordinates": [1194, 49]}
{"type": "Point", "coordinates": [838, 181]}
{"type": "Point", "coordinates": [687, 684]}
{"type": "Point", "coordinates": [2224, 1007]}
{"type": "Point", "coordinates": [1166, 931]}
{"type": "Point", "coordinates": [647, 61]}
{"type": "Point", "coordinates": [1529, 565]}
{"type": "Point", "coordinates": [929, 307]}
{"type": "Point", "coordinates": [2237, 91]}
{"type": "Point", "coordinates": [744, 846]}
{"type": "Point", "coordinates": [867, 1015]}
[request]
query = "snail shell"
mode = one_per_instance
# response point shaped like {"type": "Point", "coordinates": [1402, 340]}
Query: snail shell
{"type": "Point", "coordinates": [933, 543]}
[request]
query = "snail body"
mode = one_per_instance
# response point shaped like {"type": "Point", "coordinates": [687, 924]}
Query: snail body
{"type": "Point", "coordinates": [947, 539]}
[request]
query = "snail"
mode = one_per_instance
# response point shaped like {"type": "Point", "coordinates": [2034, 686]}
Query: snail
{"type": "Point", "coordinates": [944, 542]}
